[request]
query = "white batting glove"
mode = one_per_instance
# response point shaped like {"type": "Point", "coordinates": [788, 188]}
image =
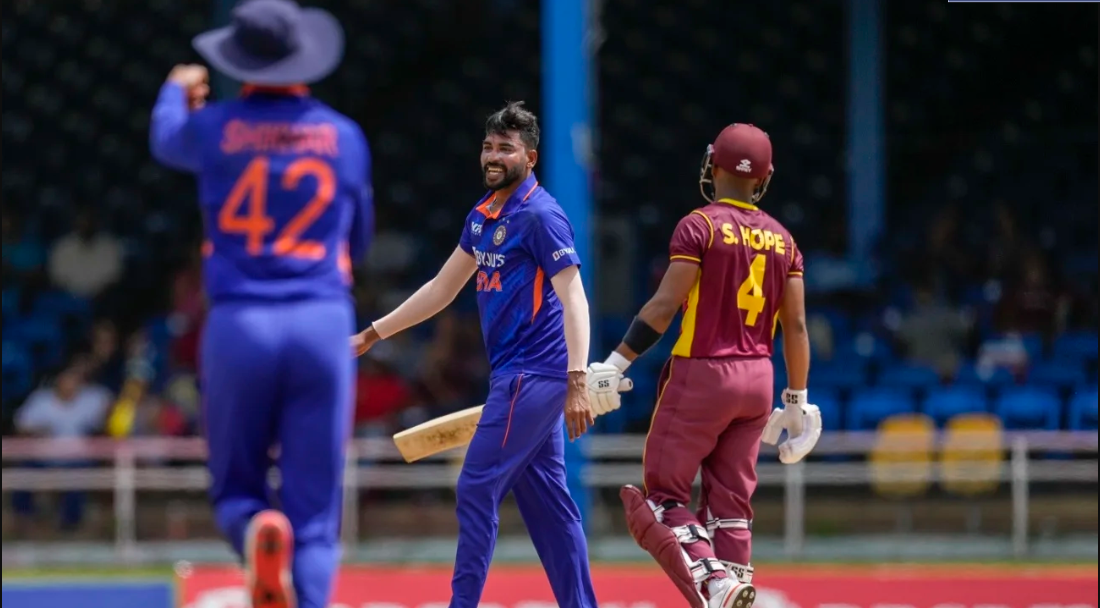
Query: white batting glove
{"type": "Point", "coordinates": [801, 420]}
{"type": "Point", "coordinates": [606, 383]}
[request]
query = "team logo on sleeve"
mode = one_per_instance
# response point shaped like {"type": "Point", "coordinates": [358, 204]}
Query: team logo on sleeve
{"type": "Point", "coordinates": [499, 234]}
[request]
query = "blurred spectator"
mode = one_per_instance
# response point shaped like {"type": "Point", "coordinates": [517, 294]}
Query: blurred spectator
{"type": "Point", "coordinates": [71, 408]}
{"type": "Point", "coordinates": [933, 333]}
{"type": "Point", "coordinates": [106, 362]}
{"type": "Point", "coordinates": [449, 371]}
{"type": "Point", "coordinates": [1032, 302]}
{"type": "Point", "coordinates": [141, 372]}
{"type": "Point", "coordinates": [86, 261]}
{"type": "Point", "coordinates": [158, 416]}
{"type": "Point", "coordinates": [380, 393]}
{"type": "Point", "coordinates": [946, 253]}
{"type": "Point", "coordinates": [24, 256]}
{"type": "Point", "coordinates": [182, 392]}
{"type": "Point", "coordinates": [188, 312]}
{"type": "Point", "coordinates": [1004, 244]}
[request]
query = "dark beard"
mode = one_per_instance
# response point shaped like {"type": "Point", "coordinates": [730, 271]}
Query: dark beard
{"type": "Point", "coordinates": [511, 177]}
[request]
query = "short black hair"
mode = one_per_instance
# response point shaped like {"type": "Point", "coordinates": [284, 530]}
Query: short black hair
{"type": "Point", "coordinates": [515, 117]}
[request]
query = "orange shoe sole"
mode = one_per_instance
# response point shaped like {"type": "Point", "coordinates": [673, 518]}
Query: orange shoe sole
{"type": "Point", "coordinates": [269, 552]}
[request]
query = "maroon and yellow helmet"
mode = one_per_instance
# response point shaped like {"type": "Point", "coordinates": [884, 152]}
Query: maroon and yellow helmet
{"type": "Point", "coordinates": [743, 150]}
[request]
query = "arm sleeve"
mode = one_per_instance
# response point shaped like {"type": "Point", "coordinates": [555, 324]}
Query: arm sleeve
{"type": "Point", "coordinates": [796, 269]}
{"type": "Point", "coordinates": [691, 239]}
{"type": "Point", "coordinates": [362, 220]}
{"type": "Point", "coordinates": [551, 241]}
{"type": "Point", "coordinates": [172, 137]}
{"type": "Point", "coordinates": [570, 291]}
{"type": "Point", "coordinates": [431, 298]}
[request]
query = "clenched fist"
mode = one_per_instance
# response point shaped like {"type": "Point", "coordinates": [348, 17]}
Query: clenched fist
{"type": "Point", "coordinates": [195, 79]}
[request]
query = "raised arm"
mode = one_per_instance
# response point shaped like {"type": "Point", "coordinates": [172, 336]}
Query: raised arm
{"type": "Point", "coordinates": [172, 138]}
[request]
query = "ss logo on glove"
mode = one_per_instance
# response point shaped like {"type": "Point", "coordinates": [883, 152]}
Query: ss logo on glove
{"type": "Point", "coordinates": [605, 382]}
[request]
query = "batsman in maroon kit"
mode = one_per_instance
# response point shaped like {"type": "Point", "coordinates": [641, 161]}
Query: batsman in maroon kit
{"type": "Point", "coordinates": [736, 273]}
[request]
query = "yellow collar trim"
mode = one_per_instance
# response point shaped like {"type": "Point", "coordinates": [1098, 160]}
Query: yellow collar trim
{"type": "Point", "coordinates": [735, 203]}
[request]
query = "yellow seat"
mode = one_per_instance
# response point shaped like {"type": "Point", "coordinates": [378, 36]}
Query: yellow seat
{"type": "Point", "coordinates": [973, 454]}
{"type": "Point", "coordinates": [901, 461]}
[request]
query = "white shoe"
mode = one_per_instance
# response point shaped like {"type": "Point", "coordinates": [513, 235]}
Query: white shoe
{"type": "Point", "coordinates": [731, 593]}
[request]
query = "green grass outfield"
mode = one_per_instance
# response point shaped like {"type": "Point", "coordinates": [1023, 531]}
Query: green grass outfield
{"type": "Point", "coordinates": [947, 566]}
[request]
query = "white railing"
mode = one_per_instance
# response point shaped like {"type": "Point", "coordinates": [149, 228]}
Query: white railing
{"type": "Point", "coordinates": [137, 464]}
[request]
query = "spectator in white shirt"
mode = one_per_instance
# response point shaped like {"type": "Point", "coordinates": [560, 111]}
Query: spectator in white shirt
{"type": "Point", "coordinates": [86, 261]}
{"type": "Point", "coordinates": [69, 409]}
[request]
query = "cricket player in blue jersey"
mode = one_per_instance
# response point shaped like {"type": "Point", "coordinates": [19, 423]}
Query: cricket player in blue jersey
{"type": "Point", "coordinates": [284, 187]}
{"type": "Point", "coordinates": [534, 319]}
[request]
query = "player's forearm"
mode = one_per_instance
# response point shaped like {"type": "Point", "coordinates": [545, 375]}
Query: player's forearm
{"type": "Point", "coordinates": [646, 330]}
{"type": "Point", "coordinates": [433, 297]}
{"type": "Point", "coordinates": [570, 291]}
{"type": "Point", "coordinates": [168, 138]}
{"type": "Point", "coordinates": [796, 353]}
{"type": "Point", "coordinates": [427, 302]}
{"type": "Point", "coordinates": [659, 312]}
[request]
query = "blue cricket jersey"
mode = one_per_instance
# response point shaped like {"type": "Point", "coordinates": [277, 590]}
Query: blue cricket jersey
{"type": "Point", "coordinates": [284, 186]}
{"type": "Point", "coordinates": [518, 249]}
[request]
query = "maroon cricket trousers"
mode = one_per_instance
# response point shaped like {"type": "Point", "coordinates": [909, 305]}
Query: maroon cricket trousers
{"type": "Point", "coordinates": [709, 415]}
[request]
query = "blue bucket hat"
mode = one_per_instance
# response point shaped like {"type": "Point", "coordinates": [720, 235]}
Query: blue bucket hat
{"type": "Point", "coordinates": [274, 43]}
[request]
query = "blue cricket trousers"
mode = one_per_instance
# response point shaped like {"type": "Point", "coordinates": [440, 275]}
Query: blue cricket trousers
{"type": "Point", "coordinates": [281, 374]}
{"type": "Point", "coordinates": [519, 446]}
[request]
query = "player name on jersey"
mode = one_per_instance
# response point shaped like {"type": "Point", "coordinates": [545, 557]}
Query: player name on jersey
{"type": "Point", "coordinates": [240, 136]}
{"type": "Point", "coordinates": [758, 239]}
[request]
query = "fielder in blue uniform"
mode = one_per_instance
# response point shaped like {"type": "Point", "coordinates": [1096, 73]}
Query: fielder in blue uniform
{"type": "Point", "coordinates": [534, 319]}
{"type": "Point", "coordinates": [285, 195]}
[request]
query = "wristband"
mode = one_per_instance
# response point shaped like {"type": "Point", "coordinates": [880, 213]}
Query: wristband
{"type": "Point", "coordinates": [795, 398]}
{"type": "Point", "coordinates": [640, 337]}
{"type": "Point", "coordinates": [618, 361]}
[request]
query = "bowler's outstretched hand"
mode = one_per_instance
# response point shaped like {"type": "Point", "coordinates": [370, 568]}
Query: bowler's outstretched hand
{"type": "Point", "coordinates": [363, 341]}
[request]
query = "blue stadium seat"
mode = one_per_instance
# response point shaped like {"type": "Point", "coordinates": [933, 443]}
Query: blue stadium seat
{"type": "Point", "coordinates": [909, 376]}
{"type": "Point", "coordinates": [863, 346]}
{"type": "Point", "coordinates": [11, 303]}
{"type": "Point", "coordinates": [638, 403]}
{"type": "Point", "coordinates": [612, 329]}
{"type": "Point", "coordinates": [41, 336]}
{"type": "Point", "coordinates": [839, 322]}
{"type": "Point", "coordinates": [945, 403]}
{"type": "Point", "coordinates": [971, 375]}
{"type": "Point", "coordinates": [838, 375]}
{"type": "Point", "coordinates": [1076, 345]}
{"type": "Point", "coordinates": [868, 407]}
{"type": "Point", "coordinates": [780, 375]}
{"type": "Point", "coordinates": [1033, 344]}
{"type": "Point", "coordinates": [1083, 410]}
{"type": "Point", "coordinates": [17, 370]}
{"type": "Point", "coordinates": [612, 423]}
{"type": "Point", "coordinates": [829, 404]}
{"type": "Point", "coordinates": [1029, 408]}
{"type": "Point", "coordinates": [61, 304]}
{"type": "Point", "coordinates": [1062, 374]}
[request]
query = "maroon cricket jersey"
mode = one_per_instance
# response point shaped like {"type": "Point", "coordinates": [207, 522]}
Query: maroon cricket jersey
{"type": "Point", "coordinates": [745, 257]}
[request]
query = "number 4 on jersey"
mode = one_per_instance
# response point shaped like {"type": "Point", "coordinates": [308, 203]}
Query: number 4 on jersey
{"type": "Point", "coordinates": [250, 192]}
{"type": "Point", "coordinates": [750, 296]}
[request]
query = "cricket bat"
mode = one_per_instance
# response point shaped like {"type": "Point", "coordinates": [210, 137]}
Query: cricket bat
{"type": "Point", "coordinates": [438, 435]}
